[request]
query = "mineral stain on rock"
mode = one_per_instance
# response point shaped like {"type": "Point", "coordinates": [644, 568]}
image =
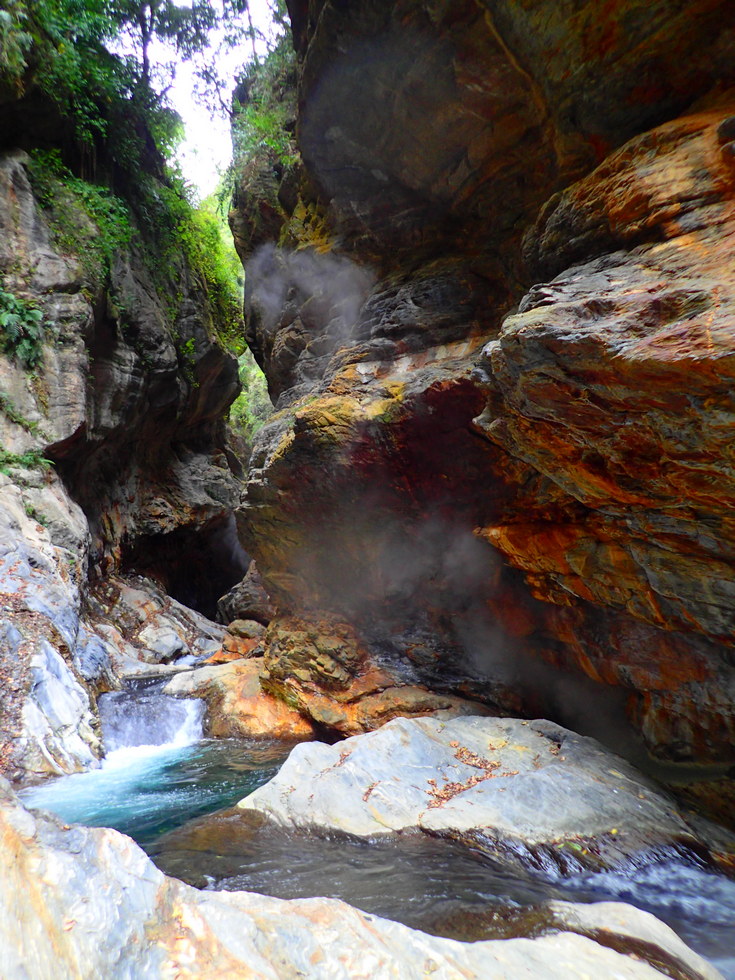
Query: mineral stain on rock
{"type": "Point", "coordinates": [492, 293]}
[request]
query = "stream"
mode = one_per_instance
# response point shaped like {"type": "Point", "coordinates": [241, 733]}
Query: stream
{"type": "Point", "coordinates": [160, 775]}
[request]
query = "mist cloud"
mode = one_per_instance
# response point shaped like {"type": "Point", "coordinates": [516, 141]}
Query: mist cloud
{"type": "Point", "coordinates": [325, 290]}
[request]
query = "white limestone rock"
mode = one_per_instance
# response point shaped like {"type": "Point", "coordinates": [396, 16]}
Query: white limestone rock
{"type": "Point", "coordinates": [513, 783]}
{"type": "Point", "coordinates": [80, 903]}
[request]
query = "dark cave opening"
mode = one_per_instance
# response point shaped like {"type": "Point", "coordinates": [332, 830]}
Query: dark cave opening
{"type": "Point", "coordinates": [196, 566]}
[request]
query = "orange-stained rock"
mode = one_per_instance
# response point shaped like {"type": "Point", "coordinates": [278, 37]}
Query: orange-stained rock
{"type": "Point", "coordinates": [243, 638]}
{"type": "Point", "coordinates": [548, 526]}
{"type": "Point", "coordinates": [321, 668]}
{"type": "Point", "coordinates": [237, 707]}
{"type": "Point", "coordinates": [355, 713]}
{"type": "Point", "coordinates": [617, 384]}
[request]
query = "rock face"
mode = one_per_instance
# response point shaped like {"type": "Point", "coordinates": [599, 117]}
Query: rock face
{"type": "Point", "coordinates": [50, 661]}
{"type": "Point", "coordinates": [524, 791]}
{"type": "Point", "coordinates": [80, 902]}
{"type": "Point", "coordinates": [127, 403]}
{"type": "Point", "coordinates": [237, 707]}
{"type": "Point", "coordinates": [247, 600]}
{"type": "Point", "coordinates": [112, 380]}
{"type": "Point", "coordinates": [507, 470]}
{"type": "Point", "coordinates": [145, 628]}
{"type": "Point", "coordinates": [616, 382]}
{"type": "Point", "coordinates": [322, 669]}
{"type": "Point", "coordinates": [423, 123]}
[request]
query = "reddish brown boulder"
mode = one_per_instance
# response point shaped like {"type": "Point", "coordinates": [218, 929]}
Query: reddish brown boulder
{"type": "Point", "coordinates": [321, 668]}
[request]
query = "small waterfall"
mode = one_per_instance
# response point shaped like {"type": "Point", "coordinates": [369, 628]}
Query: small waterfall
{"type": "Point", "coordinates": [141, 716]}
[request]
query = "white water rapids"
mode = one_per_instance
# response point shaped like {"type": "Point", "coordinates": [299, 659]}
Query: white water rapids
{"type": "Point", "coordinates": [131, 719]}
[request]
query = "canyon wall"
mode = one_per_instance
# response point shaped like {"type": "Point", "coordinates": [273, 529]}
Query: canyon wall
{"type": "Point", "coordinates": [499, 332]}
{"type": "Point", "coordinates": [113, 459]}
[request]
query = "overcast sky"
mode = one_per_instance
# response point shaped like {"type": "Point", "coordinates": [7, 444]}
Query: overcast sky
{"type": "Point", "coordinates": [207, 150]}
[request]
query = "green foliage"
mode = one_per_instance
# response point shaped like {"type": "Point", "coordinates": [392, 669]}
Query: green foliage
{"type": "Point", "coordinates": [94, 224]}
{"type": "Point", "coordinates": [123, 130]}
{"type": "Point", "coordinates": [33, 459]}
{"type": "Point", "coordinates": [36, 515]}
{"type": "Point", "coordinates": [96, 92]}
{"type": "Point", "coordinates": [15, 42]}
{"type": "Point", "coordinates": [107, 227]}
{"type": "Point", "coordinates": [176, 228]}
{"type": "Point", "coordinates": [264, 117]}
{"type": "Point", "coordinates": [21, 329]}
{"type": "Point", "coordinates": [185, 28]}
{"type": "Point", "coordinates": [7, 406]}
{"type": "Point", "coordinates": [210, 250]}
{"type": "Point", "coordinates": [65, 48]}
{"type": "Point", "coordinates": [252, 407]}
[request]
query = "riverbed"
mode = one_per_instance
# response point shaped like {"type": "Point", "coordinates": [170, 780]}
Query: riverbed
{"type": "Point", "coordinates": [163, 789]}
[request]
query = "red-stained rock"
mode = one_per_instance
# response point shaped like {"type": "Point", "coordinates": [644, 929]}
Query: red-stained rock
{"type": "Point", "coordinates": [547, 526]}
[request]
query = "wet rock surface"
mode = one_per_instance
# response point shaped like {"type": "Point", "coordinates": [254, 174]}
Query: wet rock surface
{"type": "Point", "coordinates": [146, 628]}
{"type": "Point", "coordinates": [237, 706]}
{"type": "Point", "coordinates": [95, 905]}
{"type": "Point", "coordinates": [525, 791]}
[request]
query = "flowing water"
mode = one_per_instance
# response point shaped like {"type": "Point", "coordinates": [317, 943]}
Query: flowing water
{"type": "Point", "coordinates": [141, 716]}
{"type": "Point", "coordinates": [159, 771]}
{"type": "Point", "coordinates": [159, 775]}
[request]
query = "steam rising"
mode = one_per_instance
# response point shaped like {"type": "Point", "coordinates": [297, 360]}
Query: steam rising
{"type": "Point", "coordinates": [392, 555]}
{"type": "Point", "coordinates": [324, 290]}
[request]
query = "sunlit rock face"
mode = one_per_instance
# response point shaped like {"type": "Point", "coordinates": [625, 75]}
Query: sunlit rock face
{"type": "Point", "coordinates": [513, 491]}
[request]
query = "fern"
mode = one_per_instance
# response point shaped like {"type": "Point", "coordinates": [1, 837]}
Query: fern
{"type": "Point", "coordinates": [21, 330]}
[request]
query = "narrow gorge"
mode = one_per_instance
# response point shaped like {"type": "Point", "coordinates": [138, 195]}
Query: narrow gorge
{"type": "Point", "coordinates": [450, 637]}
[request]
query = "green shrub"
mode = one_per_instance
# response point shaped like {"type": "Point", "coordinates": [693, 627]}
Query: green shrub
{"type": "Point", "coordinates": [253, 406]}
{"type": "Point", "coordinates": [32, 459]}
{"type": "Point", "coordinates": [264, 115]}
{"type": "Point", "coordinates": [21, 329]}
{"type": "Point", "coordinates": [15, 42]}
{"type": "Point", "coordinates": [265, 107]}
{"type": "Point", "coordinates": [108, 226]}
{"type": "Point", "coordinates": [7, 406]}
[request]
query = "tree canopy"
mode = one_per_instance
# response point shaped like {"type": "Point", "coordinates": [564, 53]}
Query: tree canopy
{"type": "Point", "coordinates": [94, 59]}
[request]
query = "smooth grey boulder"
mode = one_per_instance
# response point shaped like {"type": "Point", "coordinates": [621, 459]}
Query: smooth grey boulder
{"type": "Point", "coordinates": [82, 903]}
{"type": "Point", "coordinates": [511, 786]}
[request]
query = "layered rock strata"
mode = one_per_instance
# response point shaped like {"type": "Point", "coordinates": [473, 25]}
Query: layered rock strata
{"type": "Point", "coordinates": [111, 447]}
{"type": "Point", "coordinates": [504, 462]}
